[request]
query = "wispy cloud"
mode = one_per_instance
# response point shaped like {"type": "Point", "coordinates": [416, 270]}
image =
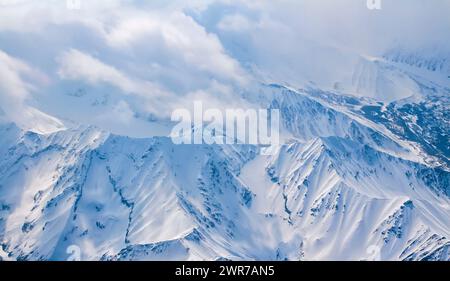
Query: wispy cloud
{"type": "Point", "coordinates": [76, 65]}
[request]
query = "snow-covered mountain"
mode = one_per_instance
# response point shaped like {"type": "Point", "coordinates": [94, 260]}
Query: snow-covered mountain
{"type": "Point", "coordinates": [354, 179]}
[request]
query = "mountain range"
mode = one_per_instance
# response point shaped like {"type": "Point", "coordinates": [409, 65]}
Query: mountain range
{"type": "Point", "coordinates": [355, 178]}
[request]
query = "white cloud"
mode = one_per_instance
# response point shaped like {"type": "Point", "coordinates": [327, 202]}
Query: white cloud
{"type": "Point", "coordinates": [143, 96]}
{"type": "Point", "coordinates": [36, 16]}
{"type": "Point", "coordinates": [122, 112]}
{"type": "Point", "coordinates": [76, 65]}
{"type": "Point", "coordinates": [128, 31]}
{"type": "Point", "coordinates": [16, 79]}
{"type": "Point", "coordinates": [180, 37]}
{"type": "Point", "coordinates": [320, 42]}
{"type": "Point", "coordinates": [235, 22]}
{"type": "Point", "coordinates": [161, 27]}
{"type": "Point", "coordinates": [12, 87]}
{"type": "Point", "coordinates": [351, 23]}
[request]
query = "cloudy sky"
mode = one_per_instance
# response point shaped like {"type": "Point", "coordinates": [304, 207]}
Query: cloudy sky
{"type": "Point", "coordinates": [128, 59]}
